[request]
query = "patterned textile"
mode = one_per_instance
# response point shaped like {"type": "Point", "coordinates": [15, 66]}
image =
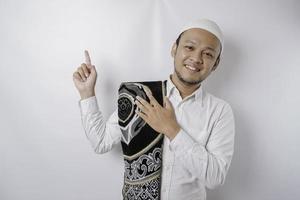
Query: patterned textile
{"type": "Point", "coordinates": [141, 145]}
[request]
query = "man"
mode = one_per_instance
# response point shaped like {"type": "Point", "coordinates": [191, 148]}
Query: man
{"type": "Point", "coordinates": [198, 127]}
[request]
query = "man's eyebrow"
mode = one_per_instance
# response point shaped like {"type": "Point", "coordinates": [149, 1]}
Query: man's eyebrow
{"type": "Point", "coordinates": [208, 47]}
{"type": "Point", "coordinates": [191, 41]}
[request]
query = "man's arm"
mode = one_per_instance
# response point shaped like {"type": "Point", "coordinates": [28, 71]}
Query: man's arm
{"type": "Point", "coordinates": [102, 135]}
{"type": "Point", "coordinates": [209, 163]}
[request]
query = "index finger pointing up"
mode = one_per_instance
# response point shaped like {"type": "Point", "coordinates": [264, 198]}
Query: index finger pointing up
{"type": "Point", "coordinates": [87, 58]}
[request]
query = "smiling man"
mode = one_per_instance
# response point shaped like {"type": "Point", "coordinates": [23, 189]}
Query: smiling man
{"type": "Point", "coordinates": [198, 127]}
{"type": "Point", "coordinates": [195, 56]}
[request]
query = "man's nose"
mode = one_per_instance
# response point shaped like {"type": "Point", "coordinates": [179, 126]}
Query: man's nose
{"type": "Point", "coordinates": [196, 58]}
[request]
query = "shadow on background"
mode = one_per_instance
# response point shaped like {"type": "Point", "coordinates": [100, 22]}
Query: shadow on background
{"type": "Point", "coordinates": [239, 174]}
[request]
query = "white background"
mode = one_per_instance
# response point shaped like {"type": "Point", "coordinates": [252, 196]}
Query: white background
{"type": "Point", "coordinates": [44, 153]}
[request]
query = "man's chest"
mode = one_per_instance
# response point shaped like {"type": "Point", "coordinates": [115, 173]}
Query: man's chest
{"type": "Point", "coordinates": [198, 121]}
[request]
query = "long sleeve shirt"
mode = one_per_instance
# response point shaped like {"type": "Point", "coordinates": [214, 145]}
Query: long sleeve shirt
{"type": "Point", "coordinates": [197, 158]}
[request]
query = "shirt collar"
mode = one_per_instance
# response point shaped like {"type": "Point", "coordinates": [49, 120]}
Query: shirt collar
{"type": "Point", "coordinates": [197, 94]}
{"type": "Point", "coordinates": [170, 86]}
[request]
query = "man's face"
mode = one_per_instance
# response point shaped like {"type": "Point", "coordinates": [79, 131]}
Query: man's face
{"type": "Point", "coordinates": [195, 56]}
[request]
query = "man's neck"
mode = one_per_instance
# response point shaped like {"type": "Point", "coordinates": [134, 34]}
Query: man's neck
{"type": "Point", "coordinates": [184, 90]}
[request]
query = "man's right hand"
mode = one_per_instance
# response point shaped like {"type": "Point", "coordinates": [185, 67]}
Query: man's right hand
{"type": "Point", "coordinates": [85, 78]}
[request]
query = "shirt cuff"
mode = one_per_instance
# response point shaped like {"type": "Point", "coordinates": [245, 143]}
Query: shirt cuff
{"type": "Point", "coordinates": [89, 105]}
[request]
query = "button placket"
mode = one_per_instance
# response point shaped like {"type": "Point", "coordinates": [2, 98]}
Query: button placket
{"type": "Point", "coordinates": [167, 170]}
{"type": "Point", "coordinates": [179, 108]}
{"type": "Point", "coordinates": [170, 171]}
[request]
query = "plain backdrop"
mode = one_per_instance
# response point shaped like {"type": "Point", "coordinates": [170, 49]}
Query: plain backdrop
{"type": "Point", "coordinates": [44, 153]}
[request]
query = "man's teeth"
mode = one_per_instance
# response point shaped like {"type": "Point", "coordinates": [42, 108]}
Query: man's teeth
{"type": "Point", "coordinates": [191, 68]}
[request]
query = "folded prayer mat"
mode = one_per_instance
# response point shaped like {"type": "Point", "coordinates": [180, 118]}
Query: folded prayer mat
{"type": "Point", "coordinates": [141, 145]}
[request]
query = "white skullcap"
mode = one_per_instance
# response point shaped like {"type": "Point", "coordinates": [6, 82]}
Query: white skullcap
{"type": "Point", "coordinates": [207, 25]}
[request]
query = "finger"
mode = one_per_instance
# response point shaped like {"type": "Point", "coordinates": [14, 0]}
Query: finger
{"type": "Point", "coordinates": [77, 76]}
{"type": "Point", "coordinates": [87, 58]}
{"type": "Point", "coordinates": [141, 106]}
{"type": "Point", "coordinates": [144, 102]}
{"type": "Point", "coordinates": [153, 101]}
{"type": "Point", "coordinates": [85, 69]}
{"type": "Point", "coordinates": [81, 73]}
{"type": "Point", "coordinates": [142, 115]}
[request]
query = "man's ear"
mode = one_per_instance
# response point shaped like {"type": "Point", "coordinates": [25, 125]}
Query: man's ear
{"type": "Point", "coordinates": [216, 64]}
{"type": "Point", "coordinates": [174, 49]}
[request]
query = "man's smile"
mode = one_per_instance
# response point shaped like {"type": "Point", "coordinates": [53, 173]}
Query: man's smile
{"type": "Point", "coordinates": [193, 69]}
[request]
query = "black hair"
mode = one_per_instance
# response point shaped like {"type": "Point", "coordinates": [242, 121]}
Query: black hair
{"type": "Point", "coordinates": [178, 39]}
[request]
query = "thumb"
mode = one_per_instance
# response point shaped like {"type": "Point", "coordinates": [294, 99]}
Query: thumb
{"type": "Point", "coordinates": [92, 68]}
{"type": "Point", "coordinates": [168, 104]}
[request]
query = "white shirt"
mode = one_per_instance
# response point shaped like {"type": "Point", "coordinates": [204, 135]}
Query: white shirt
{"type": "Point", "coordinates": [200, 154]}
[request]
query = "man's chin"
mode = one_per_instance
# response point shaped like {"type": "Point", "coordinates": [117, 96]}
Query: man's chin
{"type": "Point", "coordinates": [189, 81]}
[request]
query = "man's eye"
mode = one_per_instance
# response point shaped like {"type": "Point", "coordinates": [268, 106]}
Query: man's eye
{"type": "Point", "coordinates": [209, 55]}
{"type": "Point", "coordinates": [189, 47]}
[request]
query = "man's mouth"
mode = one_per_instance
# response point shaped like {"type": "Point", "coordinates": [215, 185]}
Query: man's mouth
{"type": "Point", "coordinates": [194, 69]}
